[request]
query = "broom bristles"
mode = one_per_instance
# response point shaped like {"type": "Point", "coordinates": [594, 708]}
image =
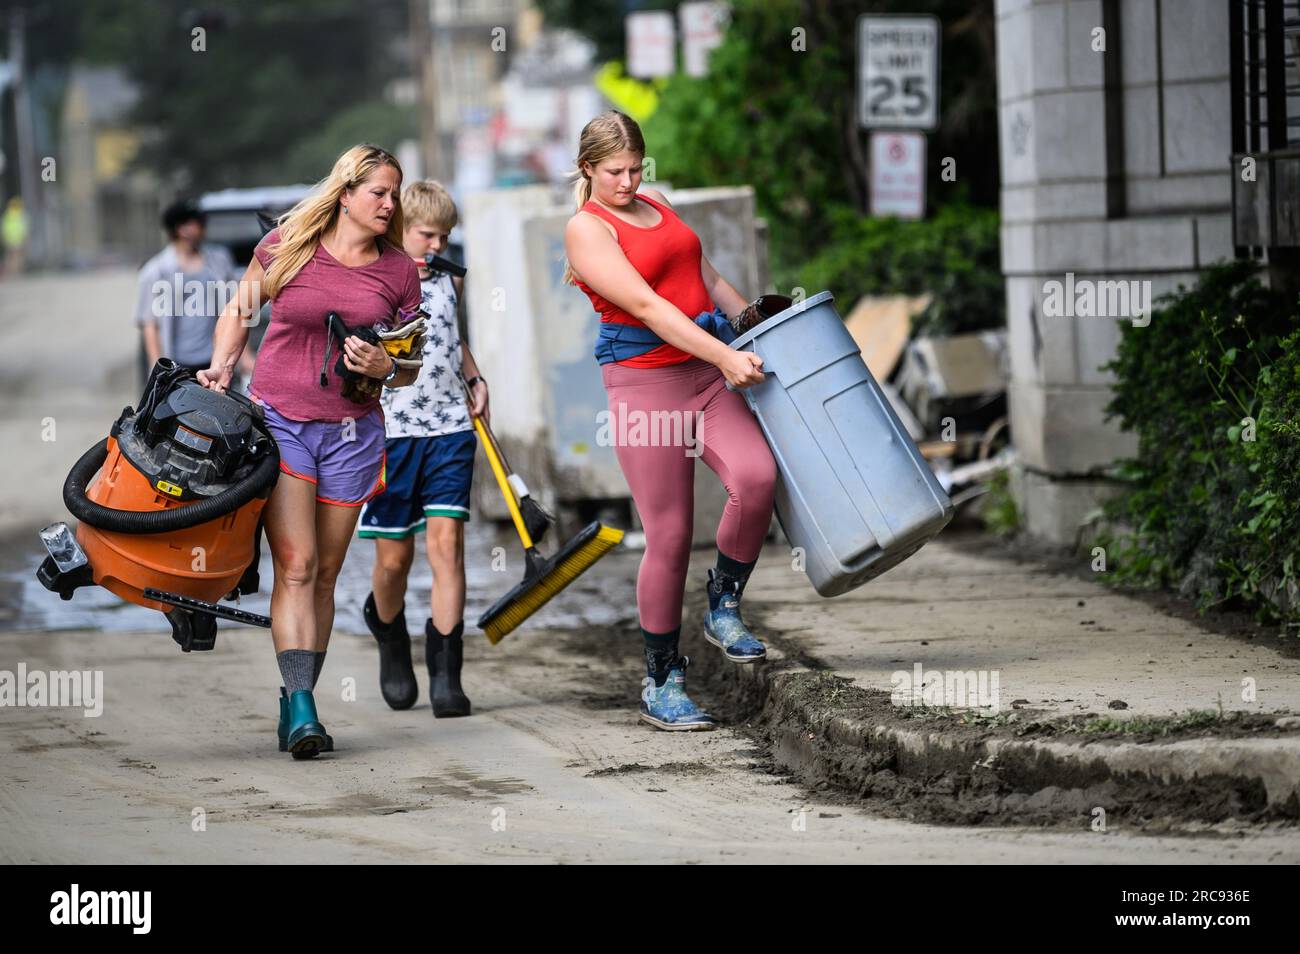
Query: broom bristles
{"type": "Point", "coordinates": [536, 519]}
{"type": "Point", "coordinates": [509, 617]}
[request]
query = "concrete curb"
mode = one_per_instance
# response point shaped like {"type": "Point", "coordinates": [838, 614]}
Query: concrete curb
{"type": "Point", "coordinates": [944, 774]}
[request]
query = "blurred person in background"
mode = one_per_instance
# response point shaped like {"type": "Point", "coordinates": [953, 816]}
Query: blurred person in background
{"type": "Point", "coordinates": [13, 229]}
{"type": "Point", "coordinates": [182, 291]}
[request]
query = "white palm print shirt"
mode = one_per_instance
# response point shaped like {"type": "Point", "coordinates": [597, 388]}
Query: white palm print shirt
{"type": "Point", "coordinates": [435, 404]}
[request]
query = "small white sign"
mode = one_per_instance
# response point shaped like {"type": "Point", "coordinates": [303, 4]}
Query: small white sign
{"type": "Point", "coordinates": [898, 174]}
{"type": "Point", "coordinates": [475, 165]}
{"type": "Point", "coordinates": [651, 44]}
{"type": "Point", "coordinates": [703, 25]}
{"type": "Point", "coordinates": [898, 72]}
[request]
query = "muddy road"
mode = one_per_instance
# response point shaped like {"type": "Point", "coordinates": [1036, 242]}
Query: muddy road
{"type": "Point", "coordinates": [553, 767]}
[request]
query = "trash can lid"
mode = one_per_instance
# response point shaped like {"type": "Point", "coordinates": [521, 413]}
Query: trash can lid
{"type": "Point", "coordinates": [797, 308]}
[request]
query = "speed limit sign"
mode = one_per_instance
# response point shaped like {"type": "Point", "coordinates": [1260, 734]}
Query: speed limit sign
{"type": "Point", "coordinates": [898, 72]}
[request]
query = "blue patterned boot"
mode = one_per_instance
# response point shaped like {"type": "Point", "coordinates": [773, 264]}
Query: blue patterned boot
{"type": "Point", "coordinates": [723, 626]}
{"type": "Point", "coordinates": [668, 707]}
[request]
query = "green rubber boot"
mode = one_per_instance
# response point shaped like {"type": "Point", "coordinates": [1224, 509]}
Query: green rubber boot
{"type": "Point", "coordinates": [282, 730]}
{"type": "Point", "coordinates": [305, 737]}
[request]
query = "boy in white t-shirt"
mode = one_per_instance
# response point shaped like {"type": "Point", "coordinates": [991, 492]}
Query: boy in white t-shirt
{"type": "Point", "coordinates": [430, 444]}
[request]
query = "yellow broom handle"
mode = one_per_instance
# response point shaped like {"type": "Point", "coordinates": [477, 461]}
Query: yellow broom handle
{"type": "Point", "coordinates": [506, 492]}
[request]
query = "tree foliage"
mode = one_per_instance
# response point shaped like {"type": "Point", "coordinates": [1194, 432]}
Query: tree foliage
{"type": "Point", "coordinates": [600, 21]}
{"type": "Point", "coordinates": [778, 110]}
{"type": "Point", "coordinates": [269, 91]}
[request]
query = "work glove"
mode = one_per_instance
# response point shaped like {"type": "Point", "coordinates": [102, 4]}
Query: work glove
{"type": "Point", "coordinates": [759, 310]}
{"type": "Point", "coordinates": [355, 386]}
{"type": "Point", "coordinates": [405, 342]}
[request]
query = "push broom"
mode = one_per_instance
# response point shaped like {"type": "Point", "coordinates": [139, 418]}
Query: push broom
{"type": "Point", "coordinates": [537, 519]}
{"type": "Point", "coordinates": [543, 578]}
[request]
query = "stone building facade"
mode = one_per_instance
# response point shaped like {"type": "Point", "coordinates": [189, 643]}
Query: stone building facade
{"type": "Point", "coordinates": [1116, 140]}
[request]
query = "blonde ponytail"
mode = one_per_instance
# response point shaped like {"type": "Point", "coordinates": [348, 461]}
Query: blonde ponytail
{"type": "Point", "coordinates": [581, 189]}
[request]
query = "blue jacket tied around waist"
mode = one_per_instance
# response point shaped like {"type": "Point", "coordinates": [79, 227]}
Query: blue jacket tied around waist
{"type": "Point", "coordinates": [619, 342]}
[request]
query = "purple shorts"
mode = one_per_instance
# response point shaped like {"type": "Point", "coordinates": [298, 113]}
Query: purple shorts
{"type": "Point", "coordinates": [344, 459]}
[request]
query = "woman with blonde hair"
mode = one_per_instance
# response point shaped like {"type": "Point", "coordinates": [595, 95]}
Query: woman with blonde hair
{"type": "Point", "coordinates": [338, 250]}
{"type": "Point", "coordinates": [662, 307]}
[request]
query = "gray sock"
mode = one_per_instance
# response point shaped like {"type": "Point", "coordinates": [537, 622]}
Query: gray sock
{"type": "Point", "coordinates": [296, 667]}
{"type": "Point", "coordinates": [319, 665]}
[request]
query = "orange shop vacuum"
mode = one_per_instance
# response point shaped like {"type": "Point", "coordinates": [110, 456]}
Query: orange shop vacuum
{"type": "Point", "coordinates": [169, 507]}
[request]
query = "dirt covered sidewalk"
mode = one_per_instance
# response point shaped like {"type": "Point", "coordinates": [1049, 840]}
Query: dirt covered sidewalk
{"type": "Point", "coordinates": [974, 684]}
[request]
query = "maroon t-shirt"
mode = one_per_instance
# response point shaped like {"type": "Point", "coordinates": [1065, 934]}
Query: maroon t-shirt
{"type": "Point", "coordinates": [287, 373]}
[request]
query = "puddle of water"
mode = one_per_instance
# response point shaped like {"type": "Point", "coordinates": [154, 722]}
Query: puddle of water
{"type": "Point", "coordinates": [603, 596]}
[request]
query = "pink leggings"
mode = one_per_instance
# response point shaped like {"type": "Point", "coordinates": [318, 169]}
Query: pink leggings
{"type": "Point", "coordinates": [657, 452]}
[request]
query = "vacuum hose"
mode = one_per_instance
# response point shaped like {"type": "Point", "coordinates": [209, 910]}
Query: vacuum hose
{"type": "Point", "coordinates": [160, 521]}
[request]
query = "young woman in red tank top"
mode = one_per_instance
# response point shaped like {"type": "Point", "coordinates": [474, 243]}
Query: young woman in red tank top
{"type": "Point", "coordinates": [658, 296]}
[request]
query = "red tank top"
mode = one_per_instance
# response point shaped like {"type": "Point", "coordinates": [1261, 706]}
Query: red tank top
{"type": "Point", "coordinates": [667, 256]}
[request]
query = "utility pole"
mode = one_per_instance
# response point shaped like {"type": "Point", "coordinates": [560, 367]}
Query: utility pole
{"type": "Point", "coordinates": [28, 187]}
{"type": "Point", "coordinates": [422, 36]}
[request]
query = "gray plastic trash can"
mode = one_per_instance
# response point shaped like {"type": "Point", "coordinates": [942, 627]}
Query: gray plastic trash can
{"type": "Point", "coordinates": [852, 489]}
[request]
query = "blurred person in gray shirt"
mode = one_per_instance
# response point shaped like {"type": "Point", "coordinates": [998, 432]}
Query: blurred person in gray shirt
{"type": "Point", "coordinates": [182, 291]}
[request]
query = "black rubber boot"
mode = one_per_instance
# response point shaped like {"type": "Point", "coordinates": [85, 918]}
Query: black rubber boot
{"type": "Point", "coordinates": [443, 654]}
{"type": "Point", "coordinates": [396, 675]}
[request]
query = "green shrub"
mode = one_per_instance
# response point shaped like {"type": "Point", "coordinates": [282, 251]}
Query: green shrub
{"type": "Point", "coordinates": [1271, 535]}
{"type": "Point", "coordinates": [998, 510]}
{"type": "Point", "coordinates": [1209, 388]}
{"type": "Point", "coordinates": [954, 255]}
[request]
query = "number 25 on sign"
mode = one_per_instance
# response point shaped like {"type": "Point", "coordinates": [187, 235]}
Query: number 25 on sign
{"type": "Point", "coordinates": [898, 72]}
